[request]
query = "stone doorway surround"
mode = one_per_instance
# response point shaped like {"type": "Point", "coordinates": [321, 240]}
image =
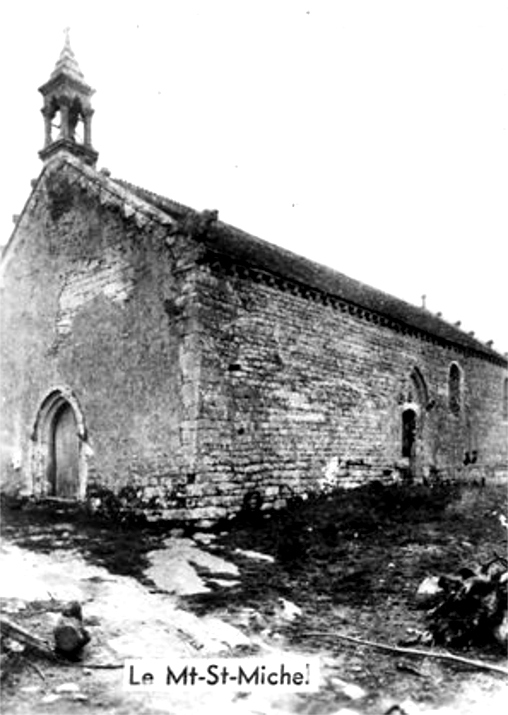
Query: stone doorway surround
{"type": "Point", "coordinates": [42, 445]}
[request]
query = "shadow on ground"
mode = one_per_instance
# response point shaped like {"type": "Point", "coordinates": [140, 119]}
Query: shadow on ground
{"type": "Point", "coordinates": [351, 560]}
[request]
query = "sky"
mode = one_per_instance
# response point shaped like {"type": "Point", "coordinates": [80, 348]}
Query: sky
{"type": "Point", "coordinates": [369, 136]}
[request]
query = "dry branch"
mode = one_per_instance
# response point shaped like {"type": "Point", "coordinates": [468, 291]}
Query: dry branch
{"type": "Point", "coordinates": [8, 629]}
{"type": "Point", "coordinates": [415, 652]}
{"type": "Point", "coordinates": [17, 633]}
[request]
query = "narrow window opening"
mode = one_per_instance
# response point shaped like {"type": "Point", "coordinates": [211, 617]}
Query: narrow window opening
{"type": "Point", "coordinates": [76, 131]}
{"type": "Point", "coordinates": [454, 389]}
{"type": "Point", "coordinates": [56, 126]}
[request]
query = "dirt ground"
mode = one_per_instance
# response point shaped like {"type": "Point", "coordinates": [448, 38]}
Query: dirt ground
{"type": "Point", "coordinates": [351, 563]}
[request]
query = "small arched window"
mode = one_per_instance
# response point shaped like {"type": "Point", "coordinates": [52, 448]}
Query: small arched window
{"type": "Point", "coordinates": [505, 398]}
{"type": "Point", "coordinates": [454, 388]}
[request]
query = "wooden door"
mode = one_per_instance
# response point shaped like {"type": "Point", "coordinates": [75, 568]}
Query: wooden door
{"type": "Point", "coordinates": [65, 454]}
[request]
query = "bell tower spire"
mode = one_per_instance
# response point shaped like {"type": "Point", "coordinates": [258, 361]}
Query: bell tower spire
{"type": "Point", "coordinates": [67, 110]}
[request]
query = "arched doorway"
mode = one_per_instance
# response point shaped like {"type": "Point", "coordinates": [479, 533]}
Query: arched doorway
{"type": "Point", "coordinates": [411, 437]}
{"type": "Point", "coordinates": [409, 427]}
{"type": "Point", "coordinates": [63, 463]}
{"type": "Point", "coordinates": [414, 405]}
{"type": "Point", "coordinates": [59, 458]}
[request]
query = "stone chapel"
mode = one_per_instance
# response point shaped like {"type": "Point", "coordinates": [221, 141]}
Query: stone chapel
{"type": "Point", "coordinates": [151, 347]}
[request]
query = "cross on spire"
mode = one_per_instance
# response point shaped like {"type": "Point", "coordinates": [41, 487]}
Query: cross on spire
{"type": "Point", "coordinates": [67, 61]}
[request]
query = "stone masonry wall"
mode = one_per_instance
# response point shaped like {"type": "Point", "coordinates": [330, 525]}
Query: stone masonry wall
{"type": "Point", "coordinates": [197, 382]}
{"type": "Point", "coordinates": [297, 393]}
{"type": "Point", "coordinates": [96, 305]}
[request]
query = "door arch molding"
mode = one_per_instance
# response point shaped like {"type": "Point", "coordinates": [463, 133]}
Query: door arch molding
{"type": "Point", "coordinates": [414, 404]}
{"type": "Point", "coordinates": [420, 387]}
{"type": "Point", "coordinates": [42, 441]}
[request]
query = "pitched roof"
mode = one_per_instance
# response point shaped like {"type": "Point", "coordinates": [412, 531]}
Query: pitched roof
{"type": "Point", "coordinates": [252, 252]}
{"type": "Point", "coordinates": [243, 249]}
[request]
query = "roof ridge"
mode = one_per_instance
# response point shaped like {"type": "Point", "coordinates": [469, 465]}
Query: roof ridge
{"type": "Point", "coordinates": [360, 284]}
{"type": "Point", "coordinates": [466, 340]}
{"type": "Point", "coordinates": [118, 193]}
{"type": "Point", "coordinates": [245, 248]}
{"type": "Point", "coordinates": [166, 204]}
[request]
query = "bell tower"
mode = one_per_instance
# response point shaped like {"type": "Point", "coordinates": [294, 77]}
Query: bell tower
{"type": "Point", "coordinates": [67, 110]}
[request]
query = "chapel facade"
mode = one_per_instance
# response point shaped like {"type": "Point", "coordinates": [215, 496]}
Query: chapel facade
{"type": "Point", "coordinates": [153, 348]}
